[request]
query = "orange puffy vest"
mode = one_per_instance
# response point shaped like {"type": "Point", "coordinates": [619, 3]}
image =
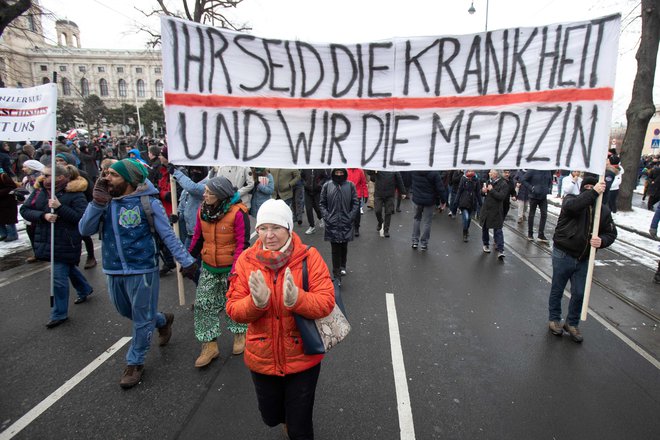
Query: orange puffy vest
{"type": "Point", "coordinates": [219, 238]}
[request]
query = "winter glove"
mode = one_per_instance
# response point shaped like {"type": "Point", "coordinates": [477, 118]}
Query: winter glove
{"type": "Point", "coordinates": [653, 233]}
{"type": "Point", "coordinates": [171, 168]}
{"type": "Point", "coordinates": [290, 289]}
{"type": "Point", "coordinates": [100, 192]}
{"type": "Point", "coordinates": [174, 219]}
{"type": "Point", "coordinates": [258, 289]}
{"type": "Point", "coordinates": [190, 271]}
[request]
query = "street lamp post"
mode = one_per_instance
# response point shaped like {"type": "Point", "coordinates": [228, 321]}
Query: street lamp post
{"type": "Point", "coordinates": [472, 10]}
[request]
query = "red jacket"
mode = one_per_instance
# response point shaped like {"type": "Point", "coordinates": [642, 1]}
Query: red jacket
{"type": "Point", "coordinates": [356, 175]}
{"type": "Point", "coordinates": [274, 346]}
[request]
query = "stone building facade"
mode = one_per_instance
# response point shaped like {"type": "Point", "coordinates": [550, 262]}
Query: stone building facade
{"type": "Point", "coordinates": [28, 58]}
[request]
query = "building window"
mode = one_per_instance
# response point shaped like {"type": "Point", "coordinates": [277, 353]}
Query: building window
{"type": "Point", "coordinates": [66, 87]}
{"type": "Point", "coordinates": [157, 70]}
{"type": "Point", "coordinates": [84, 87]}
{"type": "Point", "coordinates": [43, 68]}
{"type": "Point", "coordinates": [62, 68]}
{"type": "Point", "coordinates": [32, 25]}
{"type": "Point", "coordinates": [82, 69]}
{"type": "Point", "coordinates": [122, 88]}
{"type": "Point", "coordinates": [159, 88]}
{"type": "Point", "coordinates": [120, 70]}
{"type": "Point", "coordinates": [45, 80]}
{"type": "Point", "coordinates": [140, 88]}
{"type": "Point", "coordinates": [101, 69]}
{"type": "Point", "coordinates": [138, 70]}
{"type": "Point", "coordinates": [103, 87]}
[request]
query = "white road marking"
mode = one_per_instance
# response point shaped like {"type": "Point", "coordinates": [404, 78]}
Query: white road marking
{"type": "Point", "coordinates": [629, 342]}
{"type": "Point", "coordinates": [406, 424]}
{"type": "Point", "coordinates": [35, 412]}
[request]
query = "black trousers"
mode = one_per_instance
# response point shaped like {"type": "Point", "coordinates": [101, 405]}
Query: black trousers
{"type": "Point", "coordinates": [288, 399]}
{"type": "Point", "coordinates": [339, 253]}
{"type": "Point", "coordinates": [89, 246]}
{"type": "Point", "coordinates": [313, 205]}
{"type": "Point", "coordinates": [543, 208]}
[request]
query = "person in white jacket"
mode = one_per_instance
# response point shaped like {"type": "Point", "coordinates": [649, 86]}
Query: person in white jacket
{"type": "Point", "coordinates": [571, 184]}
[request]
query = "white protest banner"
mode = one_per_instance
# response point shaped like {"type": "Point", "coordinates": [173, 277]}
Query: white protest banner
{"type": "Point", "coordinates": [537, 97]}
{"type": "Point", "coordinates": [28, 114]}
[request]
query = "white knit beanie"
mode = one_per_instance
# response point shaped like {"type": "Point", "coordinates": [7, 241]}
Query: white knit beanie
{"type": "Point", "coordinates": [275, 212]}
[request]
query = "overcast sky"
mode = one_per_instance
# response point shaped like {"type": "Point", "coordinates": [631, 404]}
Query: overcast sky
{"type": "Point", "coordinates": [114, 23]}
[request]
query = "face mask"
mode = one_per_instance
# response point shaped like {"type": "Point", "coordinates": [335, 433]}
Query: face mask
{"type": "Point", "coordinates": [339, 179]}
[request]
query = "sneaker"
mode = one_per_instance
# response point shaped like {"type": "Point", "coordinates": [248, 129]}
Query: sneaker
{"type": "Point", "coordinates": [486, 249]}
{"type": "Point", "coordinates": [449, 214]}
{"type": "Point", "coordinates": [542, 239]}
{"type": "Point", "coordinates": [379, 227]}
{"type": "Point", "coordinates": [82, 299]}
{"type": "Point", "coordinates": [555, 328]}
{"type": "Point", "coordinates": [386, 234]}
{"type": "Point", "coordinates": [165, 332]}
{"type": "Point", "coordinates": [321, 223]}
{"type": "Point", "coordinates": [414, 245]}
{"type": "Point", "coordinates": [500, 256]}
{"type": "Point", "coordinates": [361, 210]}
{"type": "Point", "coordinates": [423, 248]}
{"type": "Point", "coordinates": [342, 272]}
{"type": "Point", "coordinates": [574, 332]}
{"type": "Point", "coordinates": [131, 376]}
{"type": "Point", "coordinates": [310, 230]}
{"type": "Point", "coordinates": [530, 237]}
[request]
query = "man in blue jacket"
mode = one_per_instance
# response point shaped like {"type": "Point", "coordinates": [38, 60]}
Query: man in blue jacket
{"type": "Point", "coordinates": [427, 190]}
{"type": "Point", "coordinates": [126, 210]}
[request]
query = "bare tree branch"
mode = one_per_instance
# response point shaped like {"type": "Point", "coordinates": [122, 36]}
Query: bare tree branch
{"type": "Point", "coordinates": [8, 12]}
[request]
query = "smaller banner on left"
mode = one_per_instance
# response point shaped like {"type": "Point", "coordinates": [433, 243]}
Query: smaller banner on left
{"type": "Point", "coordinates": [28, 114]}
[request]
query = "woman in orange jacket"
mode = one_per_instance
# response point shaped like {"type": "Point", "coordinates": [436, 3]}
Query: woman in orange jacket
{"type": "Point", "coordinates": [265, 291]}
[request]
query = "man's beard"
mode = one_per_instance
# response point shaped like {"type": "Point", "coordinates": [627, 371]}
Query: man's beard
{"type": "Point", "coordinates": [117, 190]}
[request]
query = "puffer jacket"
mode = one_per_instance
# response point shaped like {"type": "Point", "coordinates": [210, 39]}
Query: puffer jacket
{"type": "Point", "coordinates": [428, 188]}
{"type": "Point", "coordinates": [575, 224]}
{"type": "Point", "coordinates": [274, 346]}
{"type": "Point", "coordinates": [339, 206]}
{"type": "Point", "coordinates": [67, 238]}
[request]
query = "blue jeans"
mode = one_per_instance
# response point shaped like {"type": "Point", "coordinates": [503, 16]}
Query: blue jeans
{"type": "Point", "coordinates": [498, 235]}
{"type": "Point", "coordinates": [136, 298]}
{"type": "Point", "coordinates": [422, 222]}
{"type": "Point", "coordinates": [565, 268]}
{"type": "Point", "coordinates": [62, 272]}
{"type": "Point", "coordinates": [9, 232]}
{"type": "Point", "coordinates": [466, 215]}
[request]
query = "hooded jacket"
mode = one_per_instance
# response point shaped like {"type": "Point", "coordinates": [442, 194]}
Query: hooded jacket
{"type": "Point", "coordinates": [129, 247]}
{"type": "Point", "coordinates": [339, 206]}
{"type": "Point", "coordinates": [274, 346]}
{"type": "Point", "coordinates": [428, 188]}
{"type": "Point", "coordinates": [575, 223]}
{"type": "Point", "coordinates": [67, 238]}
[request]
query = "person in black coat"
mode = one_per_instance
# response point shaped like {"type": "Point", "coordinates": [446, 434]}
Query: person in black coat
{"type": "Point", "coordinates": [339, 206]}
{"type": "Point", "coordinates": [539, 185]}
{"type": "Point", "coordinates": [490, 216]}
{"type": "Point", "coordinates": [427, 188]}
{"type": "Point", "coordinates": [468, 199]}
{"type": "Point", "coordinates": [8, 209]}
{"type": "Point", "coordinates": [506, 175]}
{"type": "Point", "coordinates": [570, 255]}
{"type": "Point", "coordinates": [386, 185]}
{"type": "Point", "coordinates": [313, 180]}
{"type": "Point", "coordinates": [69, 204]}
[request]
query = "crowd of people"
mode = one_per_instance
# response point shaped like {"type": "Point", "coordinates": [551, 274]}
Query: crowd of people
{"type": "Point", "coordinates": [122, 191]}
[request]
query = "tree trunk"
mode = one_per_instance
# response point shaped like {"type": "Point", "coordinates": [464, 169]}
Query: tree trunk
{"type": "Point", "coordinates": [8, 12]}
{"type": "Point", "coordinates": [641, 108]}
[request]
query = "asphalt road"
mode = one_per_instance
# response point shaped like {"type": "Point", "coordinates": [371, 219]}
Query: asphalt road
{"type": "Point", "coordinates": [479, 361]}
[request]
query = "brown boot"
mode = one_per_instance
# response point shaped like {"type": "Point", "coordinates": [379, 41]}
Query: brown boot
{"type": "Point", "coordinates": [165, 333]}
{"type": "Point", "coordinates": [209, 352]}
{"type": "Point", "coordinates": [239, 343]}
{"type": "Point", "coordinates": [131, 376]}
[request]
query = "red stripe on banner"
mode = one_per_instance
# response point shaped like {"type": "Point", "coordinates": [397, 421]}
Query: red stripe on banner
{"type": "Point", "coordinates": [562, 95]}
